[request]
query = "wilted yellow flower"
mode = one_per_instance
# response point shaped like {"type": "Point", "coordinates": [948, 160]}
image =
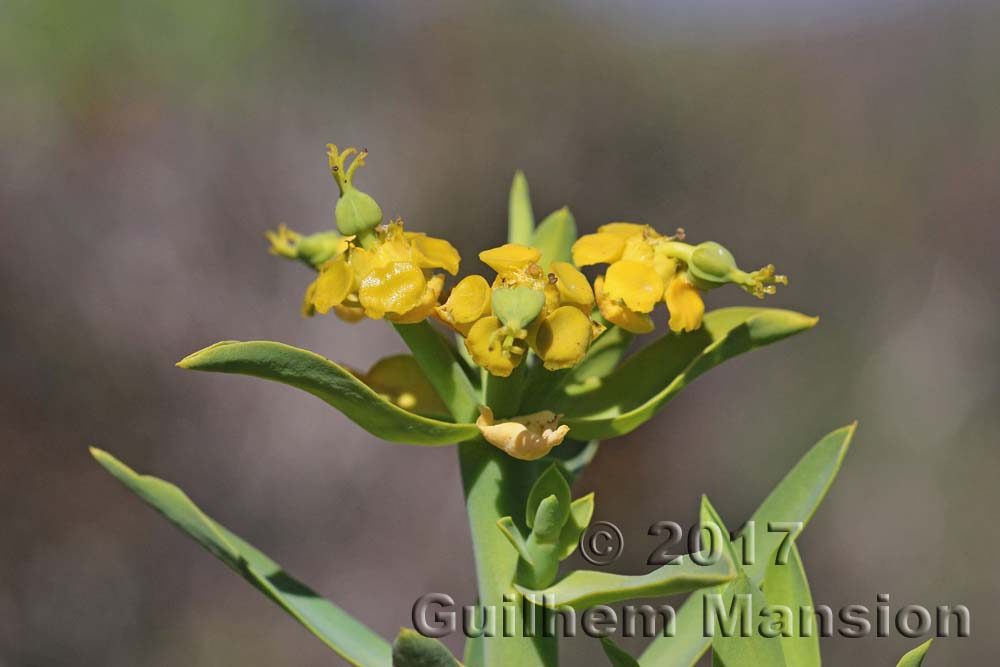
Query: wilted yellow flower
{"type": "Point", "coordinates": [526, 307]}
{"type": "Point", "coordinates": [393, 278]}
{"type": "Point", "coordinates": [527, 438]}
{"type": "Point", "coordinates": [646, 267]}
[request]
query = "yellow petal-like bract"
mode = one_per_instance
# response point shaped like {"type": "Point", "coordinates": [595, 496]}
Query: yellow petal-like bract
{"type": "Point", "coordinates": [510, 257]}
{"type": "Point", "coordinates": [600, 248]}
{"type": "Point", "coordinates": [563, 337]}
{"type": "Point", "coordinates": [394, 288]}
{"type": "Point", "coordinates": [636, 284]}
{"type": "Point", "coordinates": [332, 285]}
{"type": "Point", "coordinates": [617, 313]}
{"type": "Point", "coordinates": [685, 305]}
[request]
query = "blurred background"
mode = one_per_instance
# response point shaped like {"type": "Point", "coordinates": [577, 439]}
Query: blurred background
{"type": "Point", "coordinates": [145, 147]}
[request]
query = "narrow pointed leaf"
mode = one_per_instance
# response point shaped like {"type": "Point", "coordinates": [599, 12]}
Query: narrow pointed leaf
{"type": "Point", "coordinates": [334, 627]}
{"type": "Point", "coordinates": [412, 649]}
{"type": "Point", "coordinates": [473, 653]}
{"type": "Point", "coordinates": [616, 655]}
{"type": "Point", "coordinates": [548, 387]}
{"type": "Point", "coordinates": [647, 380]}
{"type": "Point", "coordinates": [555, 237]}
{"type": "Point", "coordinates": [587, 588]}
{"type": "Point", "coordinates": [520, 219]}
{"type": "Point", "coordinates": [787, 585]}
{"type": "Point", "coordinates": [915, 658]}
{"type": "Point", "coordinates": [550, 482]}
{"type": "Point", "coordinates": [601, 359]}
{"type": "Point", "coordinates": [581, 511]}
{"type": "Point", "coordinates": [710, 516]}
{"type": "Point", "coordinates": [333, 384]}
{"type": "Point", "coordinates": [794, 499]}
{"type": "Point", "coordinates": [751, 650]}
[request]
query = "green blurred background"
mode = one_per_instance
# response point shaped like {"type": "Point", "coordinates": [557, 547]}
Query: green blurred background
{"type": "Point", "coordinates": [146, 146]}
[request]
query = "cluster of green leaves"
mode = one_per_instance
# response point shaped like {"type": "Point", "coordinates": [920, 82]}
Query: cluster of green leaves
{"type": "Point", "coordinates": [600, 398]}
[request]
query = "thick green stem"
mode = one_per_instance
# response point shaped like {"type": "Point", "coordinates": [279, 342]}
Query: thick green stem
{"type": "Point", "coordinates": [503, 395]}
{"type": "Point", "coordinates": [496, 486]}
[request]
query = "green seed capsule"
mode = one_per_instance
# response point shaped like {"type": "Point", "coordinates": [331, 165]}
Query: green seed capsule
{"type": "Point", "coordinates": [317, 248]}
{"type": "Point", "coordinates": [357, 212]}
{"type": "Point", "coordinates": [517, 307]}
{"type": "Point", "coordinates": [711, 265]}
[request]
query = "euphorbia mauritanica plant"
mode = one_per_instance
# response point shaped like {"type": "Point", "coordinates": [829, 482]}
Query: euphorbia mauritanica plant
{"type": "Point", "coordinates": [526, 371]}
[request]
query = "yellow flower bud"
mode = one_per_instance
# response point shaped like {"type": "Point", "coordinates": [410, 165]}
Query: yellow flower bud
{"type": "Point", "coordinates": [527, 438]}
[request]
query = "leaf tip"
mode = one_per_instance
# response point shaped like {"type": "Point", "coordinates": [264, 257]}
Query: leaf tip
{"type": "Point", "coordinates": [192, 361]}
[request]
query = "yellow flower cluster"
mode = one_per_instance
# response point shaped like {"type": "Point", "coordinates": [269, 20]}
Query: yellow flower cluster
{"type": "Point", "coordinates": [646, 267]}
{"type": "Point", "coordinates": [525, 307]}
{"type": "Point", "coordinates": [392, 278]}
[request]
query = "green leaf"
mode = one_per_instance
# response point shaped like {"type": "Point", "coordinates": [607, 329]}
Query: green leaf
{"type": "Point", "coordinates": [633, 393]}
{"type": "Point", "coordinates": [708, 516]}
{"type": "Point", "coordinates": [787, 585]}
{"type": "Point", "coordinates": [794, 499]}
{"type": "Point", "coordinates": [583, 589]}
{"type": "Point", "coordinates": [550, 483]}
{"type": "Point", "coordinates": [412, 649]}
{"type": "Point", "coordinates": [617, 656]}
{"type": "Point", "coordinates": [604, 354]}
{"type": "Point", "coordinates": [602, 358]}
{"type": "Point", "coordinates": [752, 650]}
{"type": "Point", "coordinates": [549, 519]}
{"type": "Point", "coordinates": [473, 653]}
{"type": "Point", "coordinates": [520, 219]}
{"type": "Point", "coordinates": [555, 237]}
{"type": "Point", "coordinates": [581, 512]}
{"type": "Point", "coordinates": [915, 658]}
{"type": "Point", "coordinates": [514, 536]}
{"type": "Point", "coordinates": [334, 627]}
{"type": "Point", "coordinates": [333, 384]}
{"type": "Point", "coordinates": [445, 368]}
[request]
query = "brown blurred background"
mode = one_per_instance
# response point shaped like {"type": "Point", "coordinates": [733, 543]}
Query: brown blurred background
{"type": "Point", "coordinates": [146, 146]}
